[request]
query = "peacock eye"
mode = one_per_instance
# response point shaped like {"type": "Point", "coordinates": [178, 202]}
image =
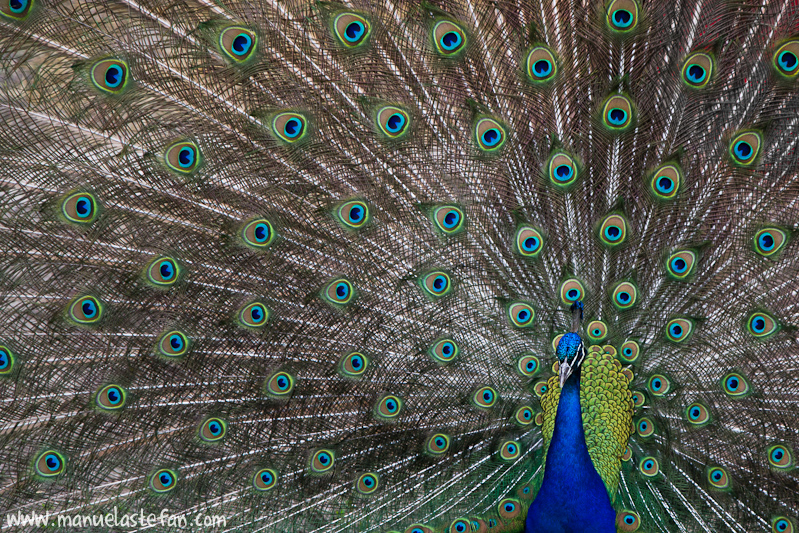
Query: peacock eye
{"type": "Point", "coordinates": [438, 444]}
{"type": "Point", "coordinates": [597, 330]}
{"type": "Point", "coordinates": [460, 525]}
{"type": "Point", "coordinates": [761, 325]}
{"type": "Point", "coordinates": [509, 450]}
{"type": "Point", "coordinates": [624, 295]}
{"type": "Point", "coordinates": [541, 65]}
{"type": "Point", "coordinates": [571, 291]}
{"type": "Point", "coordinates": [213, 430]}
{"type": "Point", "coordinates": [436, 284]}
{"type": "Point", "coordinates": [617, 113]}
{"type": "Point", "coordinates": [529, 241]}
{"type": "Point", "coordinates": [448, 219]}
{"type": "Point", "coordinates": [718, 478]}
{"type": "Point", "coordinates": [697, 70]}
{"type": "Point", "coordinates": [238, 44]}
{"type": "Point", "coordinates": [264, 479]}
{"type": "Point", "coordinates": [279, 385]}
{"type": "Point", "coordinates": [15, 10]}
{"type": "Point", "coordinates": [80, 208]}
{"type": "Point", "coordinates": [393, 121]}
{"type": "Point", "coordinates": [638, 399]}
{"type": "Point", "coordinates": [524, 415]}
{"type": "Point", "coordinates": [679, 329]}
{"type": "Point", "coordinates": [745, 148]}
{"type": "Point", "coordinates": [629, 351]}
{"type": "Point", "coordinates": [659, 385]}
{"type": "Point", "coordinates": [489, 134]}
{"type": "Point", "coordinates": [769, 241]}
{"type": "Point", "coordinates": [110, 398]}
{"type": "Point", "coordinates": [338, 292]}
{"type": "Point", "coordinates": [351, 29]}
{"type": "Point", "coordinates": [786, 59]}
{"type": "Point", "coordinates": [485, 397]}
{"type": "Point", "coordinates": [449, 38]}
{"type": "Point", "coordinates": [627, 521]}
{"type": "Point", "coordinates": [163, 272]}
{"type": "Point", "coordinates": [6, 360]}
{"type": "Point", "coordinates": [163, 480]}
{"type": "Point", "coordinates": [50, 464]}
{"type": "Point", "coordinates": [680, 264]}
{"type": "Point", "coordinates": [665, 181]}
{"type": "Point", "coordinates": [173, 344]}
{"type": "Point", "coordinates": [258, 233]}
{"type": "Point", "coordinates": [509, 508]}
{"type": "Point", "coordinates": [86, 310]}
{"type": "Point", "coordinates": [353, 214]}
{"type": "Point", "coordinates": [697, 414]}
{"type": "Point", "coordinates": [781, 524]}
{"type": "Point", "coordinates": [562, 170]}
{"type": "Point", "coordinates": [353, 364]}
{"type": "Point", "coordinates": [613, 230]}
{"type": "Point", "coordinates": [182, 157]}
{"type": "Point", "coordinates": [521, 314]}
{"type": "Point", "coordinates": [622, 15]}
{"type": "Point", "coordinates": [645, 427]}
{"type": "Point", "coordinates": [322, 461]}
{"type": "Point", "coordinates": [780, 456]}
{"type": "Point", "coordinates": [649, 466]}
{"type": "Point", "coordinates": [388, 407]}
{"type": "Point", "coordinates": [289, 126]}
{"type": "Point", "coordinates": [253, 315]}
{"type": "Point", "coordinates": [528, 365]}
{"type": "Point", "coordinates": [110, 75]}
{"type": "Point", "coordinates": [735, 385]}
{"type": "Point", "coordinates": [540, 388]}
{"type": "Point", "coordinates": [367, 483]}
{"type": "Point", "coordinates": [628, 454]}
{"type": "Point", "coordinates": [444, 351]}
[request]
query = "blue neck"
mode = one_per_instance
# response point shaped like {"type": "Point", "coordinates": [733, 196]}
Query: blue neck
{"type": "Point", "coordinates": [572, 497]}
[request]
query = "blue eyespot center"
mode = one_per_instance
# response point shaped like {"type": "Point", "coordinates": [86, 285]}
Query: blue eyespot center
{"type": "Point", "coordinates": [695, 412]}
{"type": "Point", "coordinates": [292, 128]}
{"type": "Point", "coordinates": [743, 149]}
{"type": "Point", "coordinates": [18, 6]}
{"type": "Point", "coordinates": [777, 455]}
{"type": "Point", "coordinates": [214, 428]}
{"type": "Point", "coordinates": [563, 172]}
{"type": "Point", "coordinates": [509, 507]}
{"type": "Point", "coordinates": [759, 325]}
{"type": "Point", "coordinates": [241, 44]}
{"type": "Point", "coordinates": [324, 458]}
{"type": "Point", "coordinates": [487, 396]}
{"type": "Point", "coordinates": [530, 244]}
{"type": "Point", "coordinates": [656, 384]}
{"type": "Point", "coordinates": [186, 157]}
{"type": "Point", "coordinates": [527, 414]}
{"type": "Point", "coordinates": [624, 297]}
{"type": "Point", "coordinates": [696, 73]}
{"type": "Point", "coordinates": [176, 342]}
{"type": "Point", "coordinates": [460, 527]}
{"type": "Point", "coordinates": [451, 219]}
{"type": "Point", "coordinates": [113, 395]}
{"type": "Point", "coordinates": [629, 519]}
{"type": "Point", "coordinates": [732, 383]}
{"type": "Point", "coordinates": [717, 475]}
{"type": "Point", "coordinates": [573, 294]}
{"type": "Point", "coordinates": [395, 123]}
{"type": "Point", "coordinates": [342, 290]}
{"type": "Point", "coordinates": [781, 525]}
{"type": "Point", "coordinates": [617, 116]}
{"type": "Point", "coordinates": [530, 365]}
{"type": "Point", "coordinates": [648, 465]}
{"type": "Point", "coordinates": [439, 283]}
{"type": "Point", "coordinates": [4, 360]}
{"type": "Point", "coordinates": [89, 309]}
{"type": "Point", "coordinates": [643, 426]}
{"type": "Point", "coordinates": [613, 232]}
{"type": "Point", "coordinates": [676, 330]}
{"type": "Point", "coordinates": [766, 241]}
{"type": "Point", "coordinates": [356, 362]}
{"type": "Point", "coordinates": [596, 332]}
{"type": "Point", "coordinates": [440, 442]}
{"type": "Point", "coordinates": [622, 18]}
{"type": "Point", "coordinates": [491, 137]}
{"type": "Point", "coordinates": [787, 60]}
{"type": "Point", "coordinates": [356, 214]}
{"type": "Point", "coordinates": [523, 315]}
{"type": "Point", "coordinates": [542, 68]}
{"type": "Point", "coordinates": [354, 31]}
{"type": "Point", "coordinates": [52, 462]}
{"type": "Point", "coordinates": [266, 477]}
{"type": "Point", "coordinates": [391, 405]}
{"type": "Point", "coordinates": [165, 479]}
{"type": "Point", "coordinates": [83, 207]}
{"type": "Point", "coordinates": [679, 265]}
{"type": "Point", "coordinates": [282, 383]}
{"type": "Point", "coordinates": [451, 40]}
{"type": "Point", "coordinates": [627, 351]}
{"type": "Point", "coordinates": [261, 232]}
{"type": "Point", "coordinates": [113, 76]}
{"type": "Point", "coordinates": [665, 184]}
{"type": "Point", "coordinates": [167, 270]}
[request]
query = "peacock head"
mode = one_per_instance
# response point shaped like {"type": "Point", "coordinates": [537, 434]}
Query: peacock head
{"type": "Point", "coordinates": [571, 350]}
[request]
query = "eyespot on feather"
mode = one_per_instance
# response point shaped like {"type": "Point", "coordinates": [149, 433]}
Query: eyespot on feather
{"type": "Point", "coordinates": [16, 10]}
{"type": "Point", "coordinates": [388, 407]}
{"type": "Point", "coordinates": [254, 315]}
{"type": "Point", "coordinates": [698, 69]}
{"type": "Point", "coordinates": [80, 208]}
{"type": "Point", "coordinates": [444, 351]}
{"type": "Point", "coordinates": [339, 292]}
{"type": "Point", "coordinates": [213, 430]}
{"type": "Point", "coordinates": [110, 75]}
{"type": "Point", "coordinates": [367, 483]}
{"type": "Point", "coordinates": [659, 385]}
{"type": "Point", "coordinates": [264, 479]}
{"type": "Point", "coordinates": [436, 284]}
{"type": "Point", "coordinates": [782, 524]}
{"type": "Point", "coordinates": [735, 385]}
{"type": "Point", "coordinates": [629, 351]}
{"type": "Point", "coordinates": [679, 329]}
{"type": "Point", "coordinates": [571, 291]}
{"type": "Point", "coordinates": [618, 113]}
{"type": "Point", "coordinates": [680, 265]}
{"type": "Point", "coordinates": [438, 443]}
{"type": "Point", "coordinates": [521, 314]}
{"type": "Point", "coordinates": [509, 508]}
{"type": "Point", "coordinates": [449, 38]}
{"type": "Point", "coordinates": [85, 310]}
{"type": "Point", "coordinates": [622, 15]}
{"type": "Point", "coordinates": [613, 230]}
{"type": "Point", "coordinates": [769, 241]}
{"type": "Point", "coordinates": [163, 480]}
{"type": "Point", "coordinates": [529, 241]}
{"type": "Point", "coordinates": [786, 59]}
{"type": "Point", "coordinates": [524, 416]}
{"type": "Point", "coordinates": [448, 219]}
{"type": "Point", "coordinates": [718, 478]}
{"type": "Point", "coordinates": [624, 296]}
{"type": "Point", "coordinates": [173, 344]}
{"type": "Point", "coordinates": [541, 65]}
{"type": "Point", "coordinates": [562, 170]}
{"type": "Point", "coordinates": [351, 29]}
{"type": "Point", "coordinates": [279, 385]}
{"type": "Point", "coordinates": [50, 463]}
{"type": "Point", "coordinates": [485, 397]}
{"type": "Point", "coordinates": [111, 397]}
{"type": "Point", "coordinates": [597, 330]}
{"type": "Point", "coordinates": [353, 365]}
{"type": "Point", "coordinates": [745, 148]}
{"type": "Point", "coordinates": [238, 44]}
{"type": "Point", "coordinates": [183, 157]}
{"type": "Point", "coordinates": [649, 466]}
{"type": "Point", "coordinates": [257, 233]}
{"type": "Point", "coordinates": [489, 134]}
{"type": "Point", "coordinates": [627, 521]}
{"type": "Point", "coordinates": [289, 126]}
{"type": "Point", "coordinates": [322, 461]}
{"type": "Point", "coordinates": [697, 414]}
{"type": "Point", "coordinates": [780, 456]}
{"type": "Point", "coordinates": [163, 272]}
{"type": "Point", "coordinates": [528, 365]}
{"type": "Point", "coordinates": [353, 214]}
{"type": "Point", "coordinates": [7, 361]}
{"type": "Point", "coordinates": [393, 122]}
{"type": "Point", "coordinates": [665, 181]}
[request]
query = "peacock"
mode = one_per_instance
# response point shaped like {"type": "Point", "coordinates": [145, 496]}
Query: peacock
{"type": "Point", "coordinates": [412, 266]}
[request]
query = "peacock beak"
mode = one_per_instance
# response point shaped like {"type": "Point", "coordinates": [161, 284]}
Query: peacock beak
{"type": "Point", "coordinates": [565, 371]}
